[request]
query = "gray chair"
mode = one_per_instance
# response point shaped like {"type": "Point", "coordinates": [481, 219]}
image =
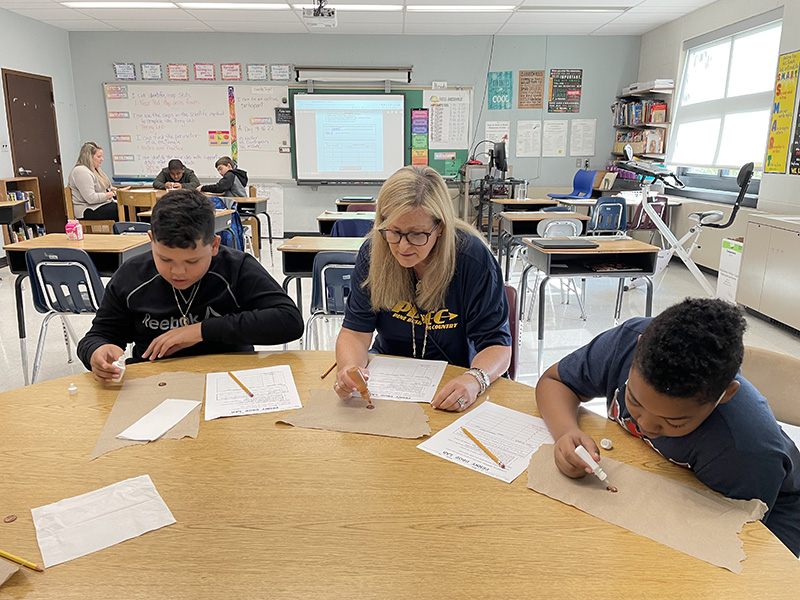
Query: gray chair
{"type": "Point", "coordinates": [559, 227]}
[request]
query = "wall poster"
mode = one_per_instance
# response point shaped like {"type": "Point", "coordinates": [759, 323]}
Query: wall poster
{"type": "Point", "coordinates": [565, 91]}
{"type": "Point", "coordinates": [780, 127]}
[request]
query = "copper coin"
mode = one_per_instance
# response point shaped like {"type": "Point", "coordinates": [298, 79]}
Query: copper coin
{"type": "Point", "coordinates": [162, 383]}
{"type": "Point", "coordinates": [611, 488]}
{"type": "Point", "coordinates": [10, 519]}
{"type": "Point", "coordinates": [370, 406]}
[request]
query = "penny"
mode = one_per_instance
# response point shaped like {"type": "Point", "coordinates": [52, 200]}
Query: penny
{"type": "Point", "coordinates": [10, 519]}
{"type": "Point", "coordinates": [611, 488]}
{"type": "Point", "coordinates": [162, 383]}
{"type": "Point", "coordinates": [370, 406]}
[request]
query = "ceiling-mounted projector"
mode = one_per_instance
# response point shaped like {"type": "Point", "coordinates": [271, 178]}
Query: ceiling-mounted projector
{"type": "Point", "coordinates": [319, 17]}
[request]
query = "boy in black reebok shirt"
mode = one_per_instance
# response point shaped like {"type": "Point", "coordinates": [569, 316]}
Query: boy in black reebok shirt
{"type": "Point", "coordinates": [190, 296]}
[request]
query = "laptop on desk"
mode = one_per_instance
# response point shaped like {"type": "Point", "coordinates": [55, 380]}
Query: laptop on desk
{"type": "Point", "coordinates": [563, 243]}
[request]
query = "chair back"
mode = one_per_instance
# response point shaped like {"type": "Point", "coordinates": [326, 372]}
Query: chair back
{"type": "Point", "coordinates": [361, 206]}
{"type": "Point", "coordinates": [63, 280]}
{"type": "Point", "coordinates": [513, 325]}
{"type": "Point", "coordinates": [777, 377]}
{"type": "Point", "coordinates": [642, 221]}
{"type": "Point", "coordinates": [331, 281]}
{"type": "Point", "coordinates": [351, 228]}
{"type": "Point", "coordinates": [132, 200]}
{"type": "Point", "coordinates": [68, 204]}
{"type": "Point", "coordinates": [608, 216]}
{"type": "Point", "coordinates": [557, 227]}
{"type": "Point", "coordinates": [251, 189]}
{"type": "Point", "coordinates": [581, 185]}
{"type": "Point", "coordinates": [131, 227]}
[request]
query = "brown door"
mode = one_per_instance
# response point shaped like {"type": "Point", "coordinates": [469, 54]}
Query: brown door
{"type": "Point", "coordinates": [34, 140]}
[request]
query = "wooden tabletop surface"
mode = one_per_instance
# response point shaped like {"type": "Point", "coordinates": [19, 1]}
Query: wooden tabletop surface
{"type": "Point", "coordinates": [265, 510]}
{"type": "Point", "coordinates": [90, 243]}
{"type": "Point", "coordinates": [320, 244]}
{"type": "Point", "coordinates": [614, 246]}
{"type": "Point", "coordinates": [335, 216]}
{"type": "Point", "coordinates": [540, 215]}
{"type": "Point", "coordinates": [219, 212]}
{"type": "Point", "coordinates": [527, 201]}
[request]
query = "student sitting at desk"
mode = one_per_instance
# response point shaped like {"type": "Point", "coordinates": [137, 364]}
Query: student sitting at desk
{"type": "Point", "coordinates": [189, 296]}
{"type": "Point", "coordinates": [233, 183]}
{"type": "Point", "coordinates": [430, 287]}
{"type": "Point", "coordinates": [176, 176]}
{"type": "Point", "coordinates": [673, 382]}
{"type": "Point", "coordinates": [92, 194]}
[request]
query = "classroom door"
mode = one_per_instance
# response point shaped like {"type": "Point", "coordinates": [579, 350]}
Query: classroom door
{"type": "Point", "coordinates": [31, 113]}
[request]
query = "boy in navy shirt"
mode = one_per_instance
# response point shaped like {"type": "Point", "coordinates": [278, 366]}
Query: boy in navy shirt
{"type": "Point", "coordinates": [673, 381]}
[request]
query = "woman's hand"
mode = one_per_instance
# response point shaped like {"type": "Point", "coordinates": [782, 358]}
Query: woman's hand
{"type": "Point", "coordinates": [458, 394]}
{"type": "Point", "coordinates": [110, 194]}
{"type": "Point", "coordinates": [569, 463]}
{"type": "Point", "coordinates": [344, 386]}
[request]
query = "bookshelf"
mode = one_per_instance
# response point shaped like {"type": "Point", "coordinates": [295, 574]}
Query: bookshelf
{"type": "Point", "coordinates": [641, 118]}
{"type": "Point", "coordinates": [29, 188]}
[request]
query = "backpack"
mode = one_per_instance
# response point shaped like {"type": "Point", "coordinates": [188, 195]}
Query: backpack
{"type": "Point", "coordinates": [237, 239]}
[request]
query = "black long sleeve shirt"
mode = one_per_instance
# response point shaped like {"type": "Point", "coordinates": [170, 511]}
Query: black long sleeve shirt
{"type": "Point", "coordinates": [238, 303]}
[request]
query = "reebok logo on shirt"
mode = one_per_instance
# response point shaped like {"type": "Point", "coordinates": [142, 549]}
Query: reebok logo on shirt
{"type": "Point", "coordinates": [440, 319]}
{"type": "Point", "coordinates": [167, 324]}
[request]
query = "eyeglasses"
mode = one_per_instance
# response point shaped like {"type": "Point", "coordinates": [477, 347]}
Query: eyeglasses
{"type": "Point", "coordinates": [415, 238]}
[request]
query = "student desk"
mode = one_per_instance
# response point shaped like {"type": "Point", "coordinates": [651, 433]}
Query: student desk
{"type": "Point", "coordinates": [572, 263]}
{"type": "Point", "coordinates": [343, 203]}
{"type": "Point", "coordinates": [266, 510]}
{"type": "Point", "coordinates": [107, 252]}
{"type": "Point", "coordinates": [251, 206]}
{"type": "Point", "coordinates": [299, 252]}
{"type": "Point", "coordinates": [515, 225]}
{"type": "Point", "coordinates": [222, 221]}
{"type": "Point", "coordinates": [326, 219]}
{"type": "Point", "coordinates": [509, 205]}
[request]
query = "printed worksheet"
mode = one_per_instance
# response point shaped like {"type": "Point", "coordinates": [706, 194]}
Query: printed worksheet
{"type": "Point", "coordinates": [404, 379]}
{"type": "Point", "coordinates": [510, 435]}
{"type": "Point", "coordinates": [273, 390]}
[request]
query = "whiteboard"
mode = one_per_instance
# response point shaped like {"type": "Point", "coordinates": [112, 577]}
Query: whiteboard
{"type": "Point", "coordinates": [150, 124]}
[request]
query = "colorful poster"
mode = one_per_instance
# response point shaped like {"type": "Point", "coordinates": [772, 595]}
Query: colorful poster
{"type": "Point", "coordinates": [230, 71]}
{"type": "Point", "coordinates": [151, 72]}
{"type": "Point", "coordinates": [232, 116]}
{"type": "Point", "coordinates": [531, 89]}
{"type": "Point", "coordinates": [205, 72]}
{"type": "Point", "coordinates": [219, 138]}
{"type": "Point", "coordinates": [117, 92]}
{"type": "Point", "coordinates": [500, 89]}
{"type": "Point", "coordinates": [794, 158]}
{"type": "Point", "coordinates": [419, 156]}
{"type": "Point", "coordinates": [565, 91]}
{"type": "Point", "coordinates": [126, 71]}
{"type": "Point", "coordinates": [178, 72]}
{"type": "Point", "coordinates": [419, 136]}
{"type": "Point", "coordinates": [280, 72]}
{"type": "Point", "coordinates": [780, 128]}
{"type": "Point", "coordinates": [257, 72]}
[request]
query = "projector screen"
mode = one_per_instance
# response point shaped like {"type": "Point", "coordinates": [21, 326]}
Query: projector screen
{"type": "Point", "coordinates": [348, 138]}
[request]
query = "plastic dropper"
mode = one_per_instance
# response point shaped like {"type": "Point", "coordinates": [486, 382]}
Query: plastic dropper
{"type": "Point", "coordinates": [361, 385]}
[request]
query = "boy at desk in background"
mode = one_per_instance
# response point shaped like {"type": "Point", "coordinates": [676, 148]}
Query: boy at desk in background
{"type": "Point", "coordinates": [233, 183]}
{"type": "Point", "coordinates": [673, 381]}
{"type": "Point", "coordinates": [176, 176]}
{"type": "Point", "coordinates": [189, 296]}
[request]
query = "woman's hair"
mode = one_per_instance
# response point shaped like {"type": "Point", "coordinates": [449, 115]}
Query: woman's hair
{"type": "Point", "coordinates": [408, 189]}
{"type": "Point", "coordinates": [85, 156]}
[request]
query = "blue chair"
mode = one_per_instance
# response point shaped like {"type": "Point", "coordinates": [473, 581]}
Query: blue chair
{"type": "Point", "coordinates": [351, 228]}
{"type": "Point", "coordinates": [131, 227]}
{"type": "Point", "coordinates": [331, 285]}
{"type": "Point", "coordinates": [581, 185]}
{"type": "Point", "coordinates": [608, 216]}
{"type": "Point", "coordinates": [64, 281]}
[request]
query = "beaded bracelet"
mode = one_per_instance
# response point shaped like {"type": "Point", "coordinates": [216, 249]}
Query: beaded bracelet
{"type": "Point", "coordinates": [481, 376]}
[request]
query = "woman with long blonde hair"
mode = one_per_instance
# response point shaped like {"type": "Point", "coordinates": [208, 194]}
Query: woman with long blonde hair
{"type": "Point", "coordinates": [426, 282]}
{"type": "Point", "coordinates": [92, 194]}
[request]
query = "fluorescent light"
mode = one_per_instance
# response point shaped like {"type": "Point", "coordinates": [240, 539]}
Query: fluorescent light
{"type": "Point", "coordinates": [454, 8]}
{"type": "Point", "coordinates": [233, 5]}
{"type": "Point", "coordinates": [361, 7]}
{"type": "Point", "coordinates": [119, 4]}
{"type": "Point", "coordinates": [574, 9]}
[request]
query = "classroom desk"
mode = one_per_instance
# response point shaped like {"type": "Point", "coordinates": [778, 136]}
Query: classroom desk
{"type": "Point", "coordinates": [11, 213]}
{"type": "Point", "coordinates": [572, 264]}
{"type": "Point", "coordinates": [509, 205]}
{"type": "Point", "coordinates": [254, 206]}
{"type": "Point", "coordinates": [266, 510]}
{"type": "Point", "coordinates": [326, 219]}
{"type": "Point", "coordinates": [514, 225]}
{"type": "Point", "coordinates": [342, 203]}
{"type": "Point", "coordinates": [298, 257]}
{"type": "Point", "coordinates": [107, 252]}
{"type": "Point", "coordinates": [222, 221]}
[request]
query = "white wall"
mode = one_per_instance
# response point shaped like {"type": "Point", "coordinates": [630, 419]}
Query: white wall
{"type": "Point", "coordinates": [34, 47]}
{"type": "Point", "coordinates": [609, 63]}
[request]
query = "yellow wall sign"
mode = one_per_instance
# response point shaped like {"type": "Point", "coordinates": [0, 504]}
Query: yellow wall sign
{"type": "Point", "coordinates": [780, 128]}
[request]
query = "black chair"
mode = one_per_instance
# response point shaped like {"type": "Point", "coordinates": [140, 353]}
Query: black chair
{"type": "Point", "coordinates": [331, 285]}
{"type": "Point", "coordinates": [131, 227]}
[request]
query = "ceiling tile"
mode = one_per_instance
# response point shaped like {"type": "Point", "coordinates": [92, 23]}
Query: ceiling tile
{"type": "Point", "coordinates": [454, 29]}
{"type": "Point", "coordinates": [136, 14]}
{"type": "Point", "coordinates": [363, 28]}
{"type": "Point", "coordinates": [51, 14]}
{"type": "Point", "coordinates": [258, 26]}
{"type": "Point", "coordinates": [592, 3]}
{"type": "Point", "coordinates": [415, 18]}
{"type": "Point", "coordinates": [642, 17]}
{"type": "Point", "coordinates": [623, 29]}
{"type": "Point", "coordinates": [159, 25]}
{"type": "Point", "coordinates": [212, 16]}
{"type": "Point", "coordinates": [547, 29]}
{"type": "Point", "coordinates": [81, 25]}
{"type": "Point", "coordinates": [561, 17]}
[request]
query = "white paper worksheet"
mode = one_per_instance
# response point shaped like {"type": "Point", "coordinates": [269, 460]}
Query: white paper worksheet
{"type": "Point", "coordinates": [405, 379]}
{"type": "Point", "coordinates": [510, 435]}
{"type": "Point", "coordinates": [273, 390]}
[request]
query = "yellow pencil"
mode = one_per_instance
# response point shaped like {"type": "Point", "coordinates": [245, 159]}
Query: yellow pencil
{"type": "Point", "coordinates": [21, 561]}
{"type": "Point", "coordinates": [241, 385]}
{"type": "Point", "coordinates": [484, 448]}
{"type": "Point", "coordinates": [325, 374]}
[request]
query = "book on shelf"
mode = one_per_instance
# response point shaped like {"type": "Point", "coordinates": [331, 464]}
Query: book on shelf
{"type": "Point", "coordinates": [654, 141]}
{"type": "Point", "coordinates": [658, 112]}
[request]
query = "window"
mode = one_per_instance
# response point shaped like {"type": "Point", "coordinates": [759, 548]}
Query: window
{"type": "Point", "coordinates": [722, 111]}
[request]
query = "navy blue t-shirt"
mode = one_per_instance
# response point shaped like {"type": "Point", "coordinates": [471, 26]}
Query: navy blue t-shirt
{"type": "Point", "coordinates": [474, 315]}
{"type": "Point", "coordinates": [739, 451]}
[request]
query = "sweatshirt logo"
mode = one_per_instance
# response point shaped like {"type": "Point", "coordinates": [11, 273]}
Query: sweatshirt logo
{"type": "Point", "coordinates": [438, 319]}
{"type": "Point", "coordinates": [167, 324]}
